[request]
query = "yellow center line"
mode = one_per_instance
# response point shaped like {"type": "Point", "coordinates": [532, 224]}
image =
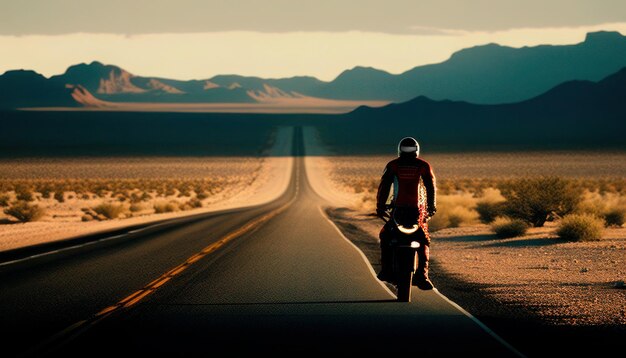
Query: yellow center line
{"type": "Point", "coordinates": [173, 271]}
{"type": "Point", "coordinates": [106, 310]}
{"type": "Point", "coordinates": [148, 285]}
{"type": "Point", "coordinates": [130, 297]}
{"type": "Point", "coordinates": [138, 298]}
{"type": "Point", "coordinates": [194, 258]}
{"type": "Point", "coordinates": [139, 295]}
{"type": "Point", "coordinates": [161, 280]}
{"type": "Point", "coordinates": [178, 270]}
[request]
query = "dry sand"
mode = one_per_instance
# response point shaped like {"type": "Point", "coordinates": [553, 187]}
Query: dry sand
{"type": "Point", "coordinates": [272, 105]}
{"type": "Point", "coordinates": [261, 180]}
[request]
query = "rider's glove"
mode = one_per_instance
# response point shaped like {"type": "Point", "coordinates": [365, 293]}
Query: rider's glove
{"type": "Point", "coordinates": [381, 212]}
{"type": "Point", "coordinates": [431, 212]}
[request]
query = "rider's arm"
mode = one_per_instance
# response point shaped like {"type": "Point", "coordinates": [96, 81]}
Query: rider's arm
{"type": "Point", "coordinates": [431, 188]}
{"type": "Point", "coordinates": [383, 189]}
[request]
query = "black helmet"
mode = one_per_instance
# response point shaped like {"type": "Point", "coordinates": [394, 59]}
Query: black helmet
{"type": "Point", "coordinates": [408, 145]}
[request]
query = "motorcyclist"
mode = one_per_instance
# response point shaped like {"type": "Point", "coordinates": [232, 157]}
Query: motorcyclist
{"type": "Point", "coordinates": [405, 173]}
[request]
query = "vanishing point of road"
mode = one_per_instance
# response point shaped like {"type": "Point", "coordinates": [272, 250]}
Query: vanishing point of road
{"type": "Point", "coordinates": [277, 278]}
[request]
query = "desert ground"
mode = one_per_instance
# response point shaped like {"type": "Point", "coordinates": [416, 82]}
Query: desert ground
{"type": "Point", "coordinates": [263, 105]}
{"type": "Point", "coordinates": [106, 193]}
{"type": "Point", "coordinates": [84, 195]}
{"type": "Point", "coordinates": [536, 278]}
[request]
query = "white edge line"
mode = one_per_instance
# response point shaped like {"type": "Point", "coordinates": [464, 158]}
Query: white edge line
{"type": "Point", "coordinates": [167, 221]}
{"type": "Point", "coordinates": [452, 303]}
{"type": "Point", "coordinates": [138, 230]}
{"type": "Point", "coordinates": [60, 250]}
{"type": "Point", "coordinates": [105, 239]}
{"type": "Point", "coordinates": [87, 243]}
{"type": "Point", "coordinates": [369, 265]}
{"type": "Point", "coordinates": [7, 263]}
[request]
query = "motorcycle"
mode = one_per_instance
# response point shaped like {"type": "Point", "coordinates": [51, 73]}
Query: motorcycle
{"type": "Point", "coordinates": [404, 242]}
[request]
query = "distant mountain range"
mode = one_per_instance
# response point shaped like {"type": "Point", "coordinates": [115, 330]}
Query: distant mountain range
{"type": "Point", "coordinates": [575, 114]}
{"type": "Point", "coordinates": [570, 99]}
{"type": "Point", "coordinates": [22, 88]}
{"type": "Point", "coordinates": [488, 74]}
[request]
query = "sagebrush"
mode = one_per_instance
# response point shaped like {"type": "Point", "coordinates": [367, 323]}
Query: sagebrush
{"type": "Point", "coordinates": [507, 228]}
{"type": "Point", "coordinates": [25, 211]}
{"type": "Point", "coordinates": [581, 227]}
{"type": "Point", "coordinates": [110, 210]}
{"type": "Point", "coordinates": [535, 199]}
{"type": "Point", "coordinates": [166, 207]}
{"type": "Point", "coordinates": [615, 217]}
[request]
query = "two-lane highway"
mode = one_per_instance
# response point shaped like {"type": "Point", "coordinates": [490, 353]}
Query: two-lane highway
{"type": "Point", "coordinates": [275, 278]}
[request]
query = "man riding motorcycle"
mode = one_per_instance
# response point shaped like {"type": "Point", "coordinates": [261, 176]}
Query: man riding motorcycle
{"type": "Point", "coordinates": [405, 173]}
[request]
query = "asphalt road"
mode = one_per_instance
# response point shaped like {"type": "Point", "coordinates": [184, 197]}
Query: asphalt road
{"type": "Point", "coordinates": [276, 278]}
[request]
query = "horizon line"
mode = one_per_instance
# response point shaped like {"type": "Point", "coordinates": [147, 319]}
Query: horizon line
{"type": "Point", "coordinates": [150, 67]}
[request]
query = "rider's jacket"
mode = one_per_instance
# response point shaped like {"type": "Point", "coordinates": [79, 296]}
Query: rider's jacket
{"type": "Point", "coordinates": [405, 173]}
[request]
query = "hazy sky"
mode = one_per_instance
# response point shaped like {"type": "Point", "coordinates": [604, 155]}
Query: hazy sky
{"type": "Point", "coordinates": [279, 38]}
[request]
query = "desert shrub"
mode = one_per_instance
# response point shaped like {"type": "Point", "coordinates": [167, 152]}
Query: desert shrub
{"type": "Point", "coordinates": [460, 215]}
{"type": "Point", "coordinates": [194, 203]}
{"type": "Point", "coordinates": [614, 217]}
{"type": "Point", "coordinates": [46, 191]}
{"type": "Point", "coordinates": [453, 211]}
{"type": "Point", "coordinates": [24, 211]}
{"type": "Point", "coordinates": [581, 227]}
{"type": "Point", "coordinates": [608, 205]}
{"type": "Point", "coordinates": [438, 222]}
{"type": "Point", "coordinates": [58, 196]}
{"type": "Point", "coordinates": [596, 203]}
{"type": "Point", "coordinates": [505, 227]}
{"type": "Point", "coordinates": [99, 193]}
{"type": "Point", "coordinates": [490, 205]}
{"type": "Point", "coordinates": [489, 211]}
{"type": "Point", "coordinates": [166, 207]}
{"type": "Point", "coordinates": [135, 207]}
{"type": "Point", "coordinates": [23, 193]}
{"type": "Point", "coordinates": [135, 198]}
{"type": "Point", "coordinates": [121, 196]}
{"type": "Point", "coordinates": [535, 199]}
{"type": "Point", "coordinates": [160, 191]}
{"type": "Point", "coordinates": [592, 203]}
{"type": "Point", "coordinates": [4, 200]}
{"type": "Point", "coordinates": [463, 199]}
{"type": "Point", "coordinates": [490, 194]}
{"type": "Point", "coordinates": [447, 186]}
{"type": "Point", "coordinates": [110, 210]}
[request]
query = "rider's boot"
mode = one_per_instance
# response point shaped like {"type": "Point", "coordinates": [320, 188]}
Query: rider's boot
{"type": "Point", "coordinates": [420, 279]}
